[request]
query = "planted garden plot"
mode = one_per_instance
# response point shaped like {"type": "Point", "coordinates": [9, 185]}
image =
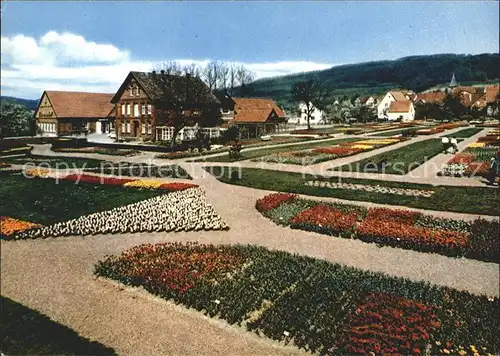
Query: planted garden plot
{"type": "Point", "coordinates": [308, 157]}
{"type": "Point", "coordinates": [475, 159]}
{"type": "Point", "coordinates": [398, 228]}
{"type": "Point", "coordinates": [183, 210]}
{"type": "Point", "coordinates": [141, 170]}
{"type": "Point", "coordinates": [315, 305]}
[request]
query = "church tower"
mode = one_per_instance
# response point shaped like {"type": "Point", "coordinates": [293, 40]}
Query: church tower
{"type": "Point", "coordinates": [453, 82]}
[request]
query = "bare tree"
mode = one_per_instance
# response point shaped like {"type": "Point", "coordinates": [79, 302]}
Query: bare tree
{"type": "Point", "coordinates": [223, 73]}
{"type": "Point", "coordinates": [192, 69]}
{"type": "Point", "coordinates": [170, 68]}
{"type": "Point", "coordinates": [232, 78]}
{"type": "Point", "coordinates": [211, 74]}
{"type": "Point", "coordinates": [243, 75]}
{"type": "Point", "coordinates": [312, 94]}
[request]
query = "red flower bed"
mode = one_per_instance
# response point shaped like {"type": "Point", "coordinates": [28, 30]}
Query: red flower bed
{"type": "Point", "coordinates": [480, 169]}
{"type": "Point", "coordinates": [325, 219]}
{"type": "Point", "coordinates": [174, 187]}
{"type": "Point", "coordinates": [384, 324]}
{"type": "Point", "coordinates": [172, 267]}
{"type": "Point", "coordinates": [404, 235]}
{"type": "Point", "coordinates": [462, 158]}
{"type": "Point", "coordinates": [339, 151]}
{"type": "Point", "coordinates": [272, 201]}
{"type": "Point", "coordinates": [429, 131]}
{"type": "Point", "coordinates": [393, 215]}
{"type": "Point", "coordinates": [84, 178]}
{"type": "Point", "coordinates": [489, 139]}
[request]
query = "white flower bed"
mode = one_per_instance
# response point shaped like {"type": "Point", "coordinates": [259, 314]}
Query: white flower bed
{"type": "Point", "coordinates": [453, 170]}
{"type": "Point", "coordinates": [371, 188]}
{"type": "Point", "coordinates": [178, 211]}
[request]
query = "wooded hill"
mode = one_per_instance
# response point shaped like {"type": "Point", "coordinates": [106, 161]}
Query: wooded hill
{"type": "Point", "coordinates": [416, 73]}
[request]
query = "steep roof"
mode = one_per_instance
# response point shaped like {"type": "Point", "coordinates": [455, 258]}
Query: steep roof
{"type": "Point", "coordinates": [400, 106]}
{"type": "Point", "coordinates": [255, 109]}
{"type": "Point", "coordinates": [160, 86]}
{"type": "Point", "coordinates": [398, 96]}
{"type": "Point", "coordinates": [67, 104]}
{"type": "Point", "coordinates": [492, 92]}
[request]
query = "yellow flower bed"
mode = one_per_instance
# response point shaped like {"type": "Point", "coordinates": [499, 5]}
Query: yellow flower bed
{"type": "Point", "coordinates": [476, 145]}
{"type": "Point", "coordinates": [144, 183]}
{"type": "Point", "coordinates": [363, 147]}
{"type": "Point", "coordinates": [9, 226]}
{"type": "Point", "coordinates": [38, 172]}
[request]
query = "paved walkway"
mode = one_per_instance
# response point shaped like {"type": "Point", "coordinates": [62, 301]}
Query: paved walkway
{"type": "Point", "coordinates": [58, 279]}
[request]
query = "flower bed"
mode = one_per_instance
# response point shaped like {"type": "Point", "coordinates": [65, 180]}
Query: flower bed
{"type": "Point", "coordinates": [141, 170]}
{"type": "Point", "coordinates": [5, 165]}
{"type": "Point", "coordinates": [184, 210]}
{"type": "Point", "coordinates": [318, 306]}
{"type": "Point", "coordinates": [98, 150]}
{"type": "Point", "coordinates": [474, 161]}
{"type": "Point", "coordinates": [272, 201]}
{"type": "Point", "coordinates": [308, 157]}
{"type": "Point", "coordinates": [429, 131]}
{"type": "Point", "coordinates": [370, 188]}
{"type": "Point", "coordinates": [90, 179]}
{"type": "Point", "coordinates": [11, 226]}
{"type": "Point", "coordinates": [392, 227]}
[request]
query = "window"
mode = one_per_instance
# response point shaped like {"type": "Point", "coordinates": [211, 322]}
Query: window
{"type": "Point", "coordinates": [143, 109]}
{"type": "Point", "coordinates": [123, 110]}
{"type": "Point", "coordinates": [150, 128]}
{"type": "Point", "coordinates": [128, 127]}
{"type": "Point", "coordinates": [136, 110]}
{"type": "Point", "coordinates": [131, 91]}
{"type": "Point", "coordinates": [128, 109]}
{"type": "Point", "coordinates": [123, 127]}
{"type": "Point", "coordinates": [138, 91]}
{"type": "Point", "coordinates": [225, 111]}
{"type": "Point", "coordinates": [144, 127]}
{"type": "Point", "coordinates": [149, 109]}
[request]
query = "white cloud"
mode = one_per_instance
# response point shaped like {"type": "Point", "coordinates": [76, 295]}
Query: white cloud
{"type": "Point", "coordinates": [66, 61]}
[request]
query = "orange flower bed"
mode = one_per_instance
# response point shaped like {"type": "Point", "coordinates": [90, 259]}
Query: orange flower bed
{"type": "Point", "coordinates": [273, 201]}
{"type": "Point", "coordinates": [10, 226]}
{"type": "Point", "coordinates": [4, 165]}
{"type": "Point", "coordinates": [325, 219]}
{"type": "Point", "coordinates": [175, 187]}
{"type": "Point", "coordinates": [393, 215]}
{"type": "Point", "coordinates": [462, 158]}
{"type": "Point", "coordinates": [338, 151]}
{"type": "Point", "coordinates": [481, 169]}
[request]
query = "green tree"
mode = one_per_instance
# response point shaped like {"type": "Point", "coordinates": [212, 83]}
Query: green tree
{"type": "Point", "coordinates": [453, 105]}
{"type": "Point", "coordinates": [15, 120]}
{"type": "Point", "coordinates": [312, 94]}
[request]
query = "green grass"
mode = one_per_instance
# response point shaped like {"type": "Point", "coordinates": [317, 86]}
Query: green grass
{"type": "Point", "coordinates": [273, 150]}
{"type": "Point", "coordinates": [473, 200]}
{"type": "Point", "coordinates": [45, 202]}
{"type": "Point", "coordinates": [465, 133]}
{"type": "Point", "coordinates": [55, 161]}
{"type": "Point", "coordinates": [399, 161]}
{"type": "Point", "coordinates": [25, 331]}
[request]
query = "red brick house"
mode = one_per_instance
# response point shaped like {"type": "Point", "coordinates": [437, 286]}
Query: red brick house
{"type": "Point", "coordinates": [145, 103]}
{"type": "Point", "coordinates": [65, 113]}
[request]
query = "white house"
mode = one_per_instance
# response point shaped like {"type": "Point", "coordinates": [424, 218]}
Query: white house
{"type": "Point", "coordinates": [403, 110]}
{"type": "Point", "coordinates": [368, 101]}
{"type": "Point", "coordinates": [317, 116]}
{"type": "Point", "coordinates": [386, 101]}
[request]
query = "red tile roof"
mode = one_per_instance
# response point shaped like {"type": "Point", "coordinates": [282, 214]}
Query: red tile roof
{"type": "Point", "coordinates": [67, 104]}
{"type": "Point", "coordinates": [255, 109]}
{"type": "Point", "coordinates": [398, 96]}
{"type": "Point", "coordinates": [400, 106]}
{"type": "Point", "coordinates": [436, 97]}
{"type": "Point", "coordinates": [492, 92]}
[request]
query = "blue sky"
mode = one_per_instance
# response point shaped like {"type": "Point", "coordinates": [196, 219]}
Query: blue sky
{"type": "Point", "coordinates": [92, 45]}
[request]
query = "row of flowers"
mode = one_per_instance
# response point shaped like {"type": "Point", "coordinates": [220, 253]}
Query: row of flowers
{"type": "Point", "coordinates": [318, 306]}
{"type": "Point", "coordinates": [184, 210]}
{"type": "Point", "coordinates": [399, 228]}
{"type": "Point", "coordinates": [370, 188]}
{"type": "Point", "coordinates": [10, 226]}
{"type": "Point", "coordinates": [474, 161]}
{"type": "Point", "coordinates": [107, 180]}
{"type": "Point", "coordinates": [4, 164]}
{"type": "Point", "coordinates": [308, 157]}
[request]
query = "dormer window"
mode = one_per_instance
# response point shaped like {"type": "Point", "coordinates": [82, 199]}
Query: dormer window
{"type": "Point", "coordinates": [138, 91]}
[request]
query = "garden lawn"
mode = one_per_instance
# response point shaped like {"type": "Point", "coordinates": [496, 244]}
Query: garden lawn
{"type": "Point", "coordinates": [43, 201]}
{"type": "Point", "coordinates": [399, 161]}
{"type": "Point", "coordinates": [25, 331]}
{"type": "Point", "coordinates": [473, 200]}
{"type": "Point", "coordinates": [465, 133]}
{"type": "Point", "coordinates": [55, 161]}
{"type": "Point", "coordinates": [398, 132]}
{"type": "Point", "coordinates": [273, 150]}
{"type": "Point", "coordinates": [315, 305]}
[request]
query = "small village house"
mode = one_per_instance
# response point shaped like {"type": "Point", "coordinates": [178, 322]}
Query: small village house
{"type": "Point", "coordinates": [62, 113]}
{"type": "Point", "coordinates": [396, 105]}
{"type": "Point", "coordinates": [317, 116]}
{"type": "Point", "coordinates": [254, 117]}
{"type": "Point", "coordinates": [368, 101]}
{"type": "Point", "coordinates": [145, 103]}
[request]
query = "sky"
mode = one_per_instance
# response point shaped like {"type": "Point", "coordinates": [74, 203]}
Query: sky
{"type": "Point", "coordinates": [92, 45]}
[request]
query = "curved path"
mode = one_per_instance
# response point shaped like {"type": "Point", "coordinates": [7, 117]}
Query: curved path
{"type": "Point", "coordinates": [55, 277]}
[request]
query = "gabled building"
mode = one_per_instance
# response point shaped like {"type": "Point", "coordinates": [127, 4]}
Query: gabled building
{"type": "Point", "coordinates": [62, 113]}
{"type": "Point", "coordinates": [433, 97]}
{"type": "Point", "coordinates": [254, 116]}
{"type": "Point", "coordinates": [390, 97]}
{"type": "Point", "coordinates": [487, 99]}
{"type": "Point", "coordinates": [145, 103]}
{"type": "Point", "coordinates": [368, 101]}
{"type": "Point", "coordinates": [401, 110]}
{"type": "Point", "coordinates": [317, 116]}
